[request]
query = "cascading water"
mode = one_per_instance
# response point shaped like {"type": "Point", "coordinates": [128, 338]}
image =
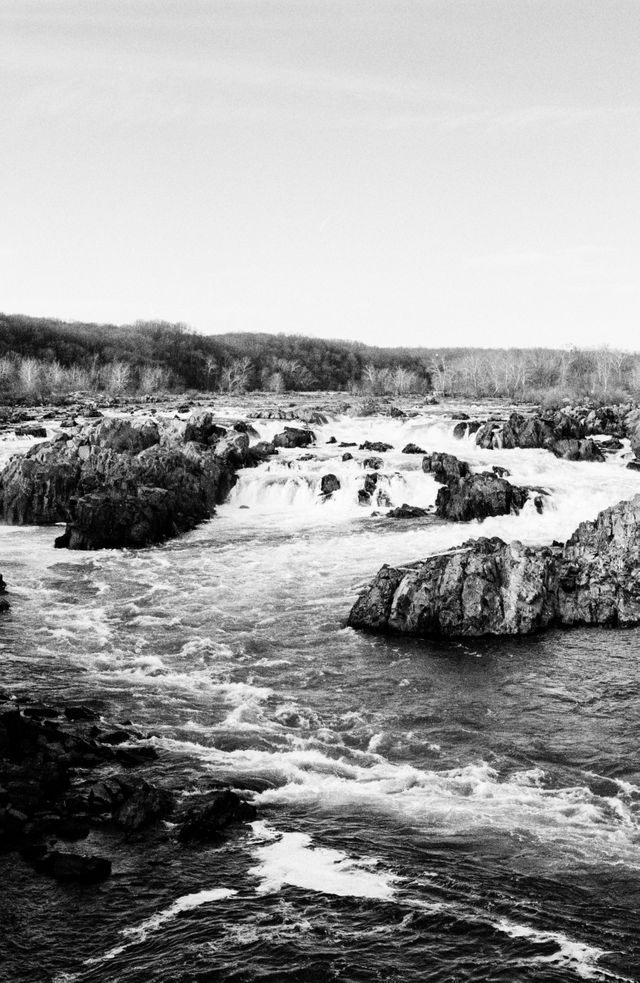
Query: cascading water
{"type": "Point", "coordinates": [435, 812]}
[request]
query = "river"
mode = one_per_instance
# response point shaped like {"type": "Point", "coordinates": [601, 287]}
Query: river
{"type": "Point", "coordinates": [428, 811]}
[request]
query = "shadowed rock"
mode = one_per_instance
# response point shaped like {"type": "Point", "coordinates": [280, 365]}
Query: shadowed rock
{"type": "Point", "coordinates": [294, 437]}
{"type": "Point", "coordinates": [124, 482]}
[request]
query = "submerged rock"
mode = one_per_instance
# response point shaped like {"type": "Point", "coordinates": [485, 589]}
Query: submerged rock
{"type": "Point", "coordinates": [74, 867]}
{"type": "Point", "coordinates": [489, 587]}
{"type": "Point", "coordinates": [445, 467]}
{"type": "Point", "coordinates": [213, 814]}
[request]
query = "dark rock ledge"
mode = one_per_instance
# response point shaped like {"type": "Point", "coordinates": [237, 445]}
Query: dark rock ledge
{"type": "Point", "coordinates": [64, 773]}
{"type": "Point", "coordinates": [130, 481]}
{"type": "Point", "coordinates": [466, 496]}
{"type": "Point", "coordinates": [489, 587]}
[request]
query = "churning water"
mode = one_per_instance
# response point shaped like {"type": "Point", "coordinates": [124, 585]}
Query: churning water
{"type": "Point", "coordinates": [427, 811]}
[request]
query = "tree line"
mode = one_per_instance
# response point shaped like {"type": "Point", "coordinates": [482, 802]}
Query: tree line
{"type": "Point", "coordinates": [42, 357]}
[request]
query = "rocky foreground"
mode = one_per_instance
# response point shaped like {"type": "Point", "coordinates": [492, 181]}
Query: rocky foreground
{"type": "Point", "coordinates": [65, 772]}
{"type": "Point", "coordinates": [489, 587]}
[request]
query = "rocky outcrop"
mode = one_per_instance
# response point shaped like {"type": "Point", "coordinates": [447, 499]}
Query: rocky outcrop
{"type": "Point", "coordinates": [445, 467]}
{"type": "Point", "coordinates": [567, 433]}
{"type": "Point", "coordinates": [375, 445]}
{"type": "Point", "coordinates": [477, 496]}
{"type": "Point", "coordinates": [372, 492]}
{"type": "Point", "coordinates": [329, 484]}
{"type": "Point", "coordinates": [468, 496]}
{"type": "Point", "coordinates": [294, 437]}
{"type": "Point", "coordinates": [573, 449]}
{"type": "Point", "coordinates": [126, 482]}
{"type": "Point", "coordinates": [489, 587]}
{"type": "Point", "coordinates": [413, 449]}
{"type": "Point", "coordinates": [405, 511]}
{"type": "Point", "coordinates": [64, 773]}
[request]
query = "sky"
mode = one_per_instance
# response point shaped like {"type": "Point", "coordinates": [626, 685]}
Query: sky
{"type": "Point", "coordinates": [401, 172]}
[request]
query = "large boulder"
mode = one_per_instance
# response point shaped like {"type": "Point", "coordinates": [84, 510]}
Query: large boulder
{"type": "Point", "coordinates": [212, 813]}
{"type": "Point", "coordinates": [489, 587]}
{"type": "Point", "coordinates": [445, 467]}
{"type": "Point", "coordinates": [484, 587]}
{"type": "Point", "coordinates": [478, 496]}
{"type": "Point", "coordinates": [294, 437]}
{"type": "Point", "coordinates": [573, 449]}
{"type": "Point", "coordinates": [126, 482]}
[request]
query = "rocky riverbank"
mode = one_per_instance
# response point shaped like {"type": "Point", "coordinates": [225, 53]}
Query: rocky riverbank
{"type": "Point", "coordinates": [66, 772]}
{"type": "Point", "coordinates": [489, 587]}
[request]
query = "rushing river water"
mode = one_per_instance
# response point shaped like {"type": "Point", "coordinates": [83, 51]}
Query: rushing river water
{"type": "Point", "coordinates": [427, 812]}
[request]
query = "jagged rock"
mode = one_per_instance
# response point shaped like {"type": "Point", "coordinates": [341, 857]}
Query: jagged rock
{"type": "Point", "coordinates": [213, 813]}
{"type": "Point", "coordinates": [313, 417]}
{"type": "Point", "coordinates": [405, 511]}
{"type": "Point", "coordinates": [610, 445]}
{"type": "Point", "coordinates": [413, 449]}
{"type": "Point", "coordinates": [373, 463]}
{"type": "Point", "coordinates": [462, 429]}
{"type": "Point", "coordinates": [146, 805]}
{"type": "Point", "coordinates": [445, 467]}
{"type": "Point", "coordinates": [577, 450]}
{"type": "Point", "coordinates": [563, 432]}
{"type": "Point", "coordinates": [329, 484]}
{"type": "Point", "coordinates": [489, 587]}
{"type": "Point", "coordinates": [4, 604]}
{"type": "Point", "coordinates": [371, 487]}
{"type": "Point", "coordinates": [377, 445]}
{"type": "Point", "coordinates": [31, 430]}
{"type": "Point", "coordinates": [294, 437]}
{"type": "Point", "coordinates": [126, 482]}
{"type": "Point", "coordinates": [347, 456]}
{"type": "Point", "coordinates": [397, 413]}
{"type": "Point", "coordinates": [477, 496]}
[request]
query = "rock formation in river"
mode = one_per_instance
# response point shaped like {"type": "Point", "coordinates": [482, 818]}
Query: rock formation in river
{"type": "Point", "coordinates": [468, 496]}
{"type": "Point", "coordinates": [65, 773]}
{"type": "Point", "coordinates": [489, 587]}
{"type": "Point", "coordinates": [4, 604]}
{"type": "Point", "coordinates": [125, 482]}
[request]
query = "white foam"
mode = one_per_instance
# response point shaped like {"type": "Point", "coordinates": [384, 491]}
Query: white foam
{"type": "Point", "coordinates": [138, 933]}
{"type": "Point", "coordinates": [289, 858]}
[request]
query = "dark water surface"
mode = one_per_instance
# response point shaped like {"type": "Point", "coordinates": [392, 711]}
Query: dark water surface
{"type": "Point", "coordinates": [427, 812]}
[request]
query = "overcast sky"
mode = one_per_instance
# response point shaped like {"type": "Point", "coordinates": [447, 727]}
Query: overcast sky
{"type": "Point", "coordinates": [428, 172]}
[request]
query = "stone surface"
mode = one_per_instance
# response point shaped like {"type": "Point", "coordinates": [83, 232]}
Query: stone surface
{"type": "Point", "coordinates": [489, 587]}
{"type": "Point", "coordinates": [127, 482]}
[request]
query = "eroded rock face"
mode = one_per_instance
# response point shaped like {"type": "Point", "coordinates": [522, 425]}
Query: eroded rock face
{"type": "Point", "coordinates": [124, 482]}
{"type": "Point", "coordinates": [468, 496]}
{"type": "Point", "coordinates": [565, 432]}
{"type": "Point", "coordinates": [489, 587]}
{"type": "Point", "coordinates": [294, 437]}
{"type": "Point", "coordinates": [478, 496]}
